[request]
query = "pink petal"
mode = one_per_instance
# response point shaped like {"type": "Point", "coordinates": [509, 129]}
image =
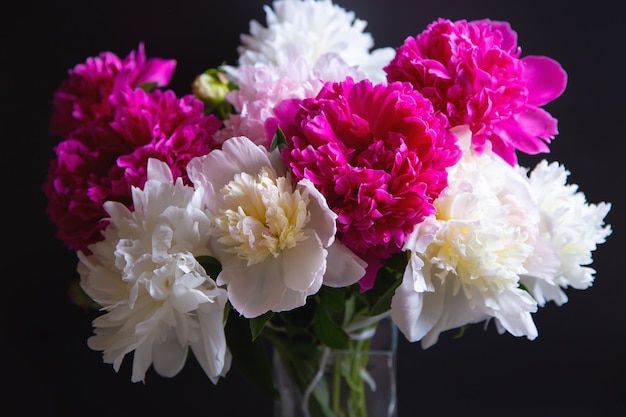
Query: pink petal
{"type": "Point", "coordinates": [509, 36]}
{"type": "Point", "coordinates": [545, 79]}
{"type": "Point", "coordinates": [156, 70]}
{"type": "Point", "coordinates": [529, 131]}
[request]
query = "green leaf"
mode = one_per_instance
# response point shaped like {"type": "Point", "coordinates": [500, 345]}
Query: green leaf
{"type": "Point", "coordinates": [460, 332]}
{"type": "Point", "coordinates": [389, 277]}
{"type": "Point", "coordinates": [80, 298]}
{"type": "Point", "coordinates": [334, 299]}
{"type": "Point", "coordinates": [349, 309]}
{"type": "Point", "coordinates": [258, 324]}
{"type": "Point", "coordinates": [211, 265]}
{"type": "Point", "coordinates": [383, 303]}
{"type": "Point", "coordinates": [278, 139]}
{"type": "Point", "coordinates": [329, 332]}
{"type": "Point", "coordinates": [250, 357]}
{"type": "Point", "coordinates": [397, 262]}
{"type": "Point", "coordinates": [147, 87]}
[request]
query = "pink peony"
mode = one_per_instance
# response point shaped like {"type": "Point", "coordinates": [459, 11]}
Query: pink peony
{"type": "Point", "coordinates": [378, 154]}
{"type": "Point", "coordinates": [473, 73]}
{"type": "Point", "coordinates": [100, 161]}
{"type": "Point", "coordinates": [261, 87]}
{"type": "Point", "coordinates": [83, 96]}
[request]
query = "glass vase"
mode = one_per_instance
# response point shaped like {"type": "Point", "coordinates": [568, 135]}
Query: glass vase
{"type": "Point", "coordinates": [355, 382]}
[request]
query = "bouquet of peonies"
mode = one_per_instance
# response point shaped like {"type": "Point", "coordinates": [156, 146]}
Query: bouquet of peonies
{"type": "Point", "coordinates": [312, 188]}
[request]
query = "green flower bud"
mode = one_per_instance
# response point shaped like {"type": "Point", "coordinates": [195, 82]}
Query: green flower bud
{"type": "Point", "coordinates": [211, 87]}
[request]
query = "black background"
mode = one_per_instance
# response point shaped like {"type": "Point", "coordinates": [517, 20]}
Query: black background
{"type": "Point", "coordinates": [574, 368]}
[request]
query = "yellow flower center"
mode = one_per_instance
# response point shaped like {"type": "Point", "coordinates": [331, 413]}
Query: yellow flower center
{"type": "Point", "coordinates": [261, 215]}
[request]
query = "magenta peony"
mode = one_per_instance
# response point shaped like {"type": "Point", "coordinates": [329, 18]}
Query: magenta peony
{"type": "Point", "coordinates": [473, 73]}
{"type": "Point", "coordinates": [82, 98]}
{"type": "Point", "coordinates": [102, 159]}
{"type": "Point", "coordinates": [378, 154]}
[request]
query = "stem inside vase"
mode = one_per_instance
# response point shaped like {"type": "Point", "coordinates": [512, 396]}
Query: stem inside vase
{"type": "Point", "coordinates": [356, 382]}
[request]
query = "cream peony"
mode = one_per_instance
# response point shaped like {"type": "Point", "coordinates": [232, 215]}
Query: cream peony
{"type": "Point", "coordinates": [275, 239]}
{"type": "Point", "coordinates": [157, 299]}
{"type": "Point", "coordinates": [466, 261]}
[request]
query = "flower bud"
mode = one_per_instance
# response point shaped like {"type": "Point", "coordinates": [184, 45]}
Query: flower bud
{"type": "Point", "coordinates": [211, 87]}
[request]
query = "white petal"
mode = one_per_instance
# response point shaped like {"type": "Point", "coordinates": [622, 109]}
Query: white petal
{"type": "Point", "coordinates": [514, 314]}
{"type": "Point", "coordinates": [456, 312]}
{"type": "Point", "coordinates": [169, 357]}
{"type": "Point", "coordinates": [303, 266]}
{"type": "Point", "coordinates": [544, 291]}
{"type": "Point", "coordinates": [159, 171]}
{"type": "Point", "coordinates": [142, 358]}
{"type": "Point", "coordinates": [211, 350]}
{"type": "Point", "coordinates": [237, 155]}
{"type": "Point", "coordinates": [185, 299]}
{"type": "Point", "coordinates": [415, 313]}
{"type": "Point", "coordinates": [253, 290]}
{"type": "Point", "coordinates": [413, 272]}
{"type": "Point", "coordinates": [323, 219]}
{"type": "Point", "coordinates": [343, 267]}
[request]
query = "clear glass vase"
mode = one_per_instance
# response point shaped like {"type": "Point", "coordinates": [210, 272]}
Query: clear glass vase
{"type": "Point", "coordinates": [357, 382]}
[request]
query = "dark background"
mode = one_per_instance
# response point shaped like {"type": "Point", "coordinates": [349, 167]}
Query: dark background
{"type": "Point", "coordinates": [576, 367]}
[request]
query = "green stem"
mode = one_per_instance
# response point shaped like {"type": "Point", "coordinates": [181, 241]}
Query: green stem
{"type": "Point", "coordinates": [347, 374]}
{"type": "Point", "coordinates": [343, 393]}
{"type": "Point", "coordinates": [337, 388]}
{"type": "Point", "coordinates": [358, 392]}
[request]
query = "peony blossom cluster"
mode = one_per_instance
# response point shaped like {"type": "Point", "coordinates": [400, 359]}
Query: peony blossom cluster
{"type": "Point", "coordinates": [111, 119]}
{"type": "Point", "coordinates": [341, 173]}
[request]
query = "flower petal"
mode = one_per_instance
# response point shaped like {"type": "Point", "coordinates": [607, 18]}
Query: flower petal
{"type": "Point", "coordinates": [415, 313]}
{"type": "Point", "coordinates": [343, 267]}
{"type": "Point", "coordinates": [545, 79]}
{"type": "Point", "coordinates": [169, 357]}
{"type": "Point", "coordinates": [220, 166]}
{"type": "Point", "coordinates": [303, 266]}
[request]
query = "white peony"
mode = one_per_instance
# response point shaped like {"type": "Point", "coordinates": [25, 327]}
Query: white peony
{"type": "Point", "coordinates": [573, 227]}
{"type": "Point", "coordinates": [275, 239]}
{"type": "Point", "coordinates": [313, 28]}
{"type": "Point", "coordinates": [158, 300]}
{"type": "Point", "coordinates": [466, 262]}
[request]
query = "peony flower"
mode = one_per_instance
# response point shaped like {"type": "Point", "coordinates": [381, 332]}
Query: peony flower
{"type": "Point", "coordinates": [83, 97]}
{"type": "Point", "coordinates": [468, 257]}
{"type": "Point", "coordinates": [378, 154]}
{"type": "Point", "coordinates": [312, 28]}
{"type": "Point", "coordinates": [103, 160]}
{"type": "Point", "coordinates": [472, 72]}
{"type": "Point", "coordinates": [262, 86]}
{"type": "Point", "coordinates": [158, 301]}
{"type": "Point", "coordinates": [274, 237]}
{"type": "Point", "coordinates": [573, 227]}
